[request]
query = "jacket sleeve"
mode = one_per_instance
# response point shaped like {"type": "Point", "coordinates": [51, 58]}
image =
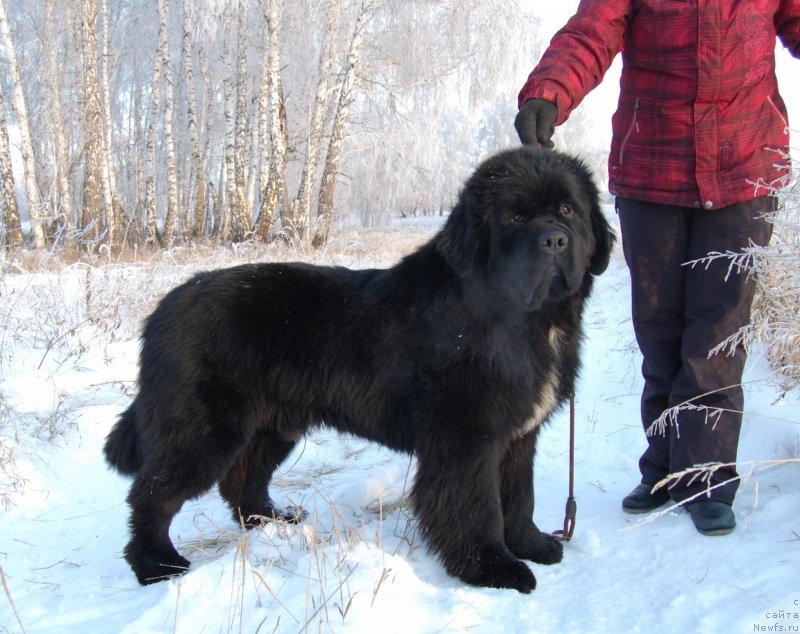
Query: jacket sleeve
{"type": "Point", "coordinates": [579, 55]}
{"type": "Point", "coordinates": [787, 24]}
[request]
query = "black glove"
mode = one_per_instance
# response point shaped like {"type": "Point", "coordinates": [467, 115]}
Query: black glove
{"type": "Point", "coordinates": [535, 123]}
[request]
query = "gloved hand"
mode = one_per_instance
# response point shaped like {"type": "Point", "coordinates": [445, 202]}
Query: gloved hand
{"type": "Point", "coordinates": [535, 123]}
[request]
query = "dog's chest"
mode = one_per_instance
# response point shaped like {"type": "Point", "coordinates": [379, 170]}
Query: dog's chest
{"type": "Point", "coordinates": [547, 384]}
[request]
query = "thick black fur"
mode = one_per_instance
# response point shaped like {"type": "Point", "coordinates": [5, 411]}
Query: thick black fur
{"type": "Point", "coordinates": [457, 354]}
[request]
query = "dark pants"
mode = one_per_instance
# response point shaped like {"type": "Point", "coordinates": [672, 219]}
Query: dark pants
{"type": "Point", "coordinates": [681, 312]}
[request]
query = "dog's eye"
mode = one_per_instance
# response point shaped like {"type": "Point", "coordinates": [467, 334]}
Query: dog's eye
{"type": "Point", "coordinates": [519, 219]}
{"type": "Point", "coordinates": [565, 210]}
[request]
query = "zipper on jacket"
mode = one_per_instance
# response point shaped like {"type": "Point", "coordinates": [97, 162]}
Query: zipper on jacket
{"type": "Point", "coordinates": [634, 125]}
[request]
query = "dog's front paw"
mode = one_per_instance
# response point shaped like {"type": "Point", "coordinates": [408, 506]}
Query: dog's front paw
{"type": "Point", "coordinates": [291, 515]}
{"type": "Point", "coordinates": [541, 549]}
{"type": "Point", "coordinates": [497, 568]}
{"type": "Point", "coordinates": [255, 517]}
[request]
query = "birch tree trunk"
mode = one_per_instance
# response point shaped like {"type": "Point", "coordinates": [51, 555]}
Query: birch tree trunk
{"type": "Point", "coordinates": [220, 229]}
{"type": "Point", "coordinates": [11, 226]}
{"type": "Point", "coordinates": [267, 200]}
{"type": "Point", "coordinates": [133, 232]}
{"type": "Point", "coordinates": [66, 217]}
{"type": "Point", "coordinates": [114, 212]}
{"type": "Point", "coordinates": [240, 148]}
{"type": "Point", "coordinates": [169, 137]}
{"type": "Point", "coordinates": [275, 195]}
{"type": "Point", "coordinates": [191, 112]}
{"type": "Point", "coordinates": [235, 230]}
{"type": "Point", "coordinates": [150, 208]}
{"type": "Point", "coordinates": [262, 223]}
{"type": "Point", "coordinates": [212, 197]}
{"type": "Point", "coordinates": [334, 154]}
{"type": "Point", "coordinates": [92, 210]}
{"type": "Point", "coordinates": [253, 155]}
{"type": "Point", "coordinates": [35, 209]}
{"type": "Point", "coordinates": [301, 205]}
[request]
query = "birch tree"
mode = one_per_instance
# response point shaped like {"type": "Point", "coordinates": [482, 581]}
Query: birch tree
{"type": "Point", "coordinates": [274, 190]}
{"type": "Point", "coordinates": [169, 109]}
{"type": "Point", "coordinates": [301, 206]}
{"type": "Point", "coordinates": [199, 188]}
{"type": "Point", "coordinates": [235, 227]}
{"type": "Point", "coordinates": [11, 225]}
{"type": "Point", "coordinates": [241, 160]}
{"type": "Point", "coordinates": [114, 211]}
{"type": "Point", "coordinates": [260, 100]}
{"type": "Point", "coordinates": [150, 203]}
{"type": "Point", "coordinates": [93, 207]}
{"type": "Point", "coordinates": [35, 209]}
{"type": "Point", "coordinates": [212, 202]}
{"type": "Point", "coordinates": [63, 188]}
{"type": "Point", "coordinates": [334, 155]}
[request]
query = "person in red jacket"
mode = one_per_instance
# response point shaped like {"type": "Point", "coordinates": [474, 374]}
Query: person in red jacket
{"type": "Point", "coordinates": [700, 140]}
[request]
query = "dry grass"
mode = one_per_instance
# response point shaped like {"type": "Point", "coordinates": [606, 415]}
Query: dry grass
{"type": "Point", "coordinates": [326, 570]}
{"type": "Point", "coordinates": [775, 327]}
{"type": "Point", "coordinates": [776, 318]}
{"type": "Point", "coordinates": [10, 600]}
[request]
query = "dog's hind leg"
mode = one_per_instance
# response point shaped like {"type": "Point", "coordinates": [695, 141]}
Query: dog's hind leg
{"type": "Point", "coordinates": [522, 536]}
{"type": "Point", "coordinates": [245, 486]}
{"type": "Point", "coordinates": [159, 490]}
{"type": "Point", "coordinates": [456, 496]}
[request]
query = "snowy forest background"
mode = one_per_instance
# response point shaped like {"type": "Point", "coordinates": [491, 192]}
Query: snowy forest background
{"type": "Point", "coordinates": [141, 122]}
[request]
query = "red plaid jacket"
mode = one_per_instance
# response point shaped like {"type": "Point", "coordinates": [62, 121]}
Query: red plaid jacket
{"type": "Point", "coordinates": [699, 115]}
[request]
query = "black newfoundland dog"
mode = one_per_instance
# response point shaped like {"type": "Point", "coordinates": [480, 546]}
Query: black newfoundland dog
{"type": "Point", "coordinates": [457, 354]}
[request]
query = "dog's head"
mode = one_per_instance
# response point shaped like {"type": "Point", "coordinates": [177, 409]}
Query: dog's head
{"type": "Point", "coordinates": [529, 222]}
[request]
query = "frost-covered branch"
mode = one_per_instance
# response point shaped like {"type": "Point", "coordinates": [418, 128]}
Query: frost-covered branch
{"type": "Point", "coordinates": [775, 326]}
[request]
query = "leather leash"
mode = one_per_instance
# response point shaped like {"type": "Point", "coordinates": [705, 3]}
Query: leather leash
{"type": "Point", "coordinates": [571, 510]}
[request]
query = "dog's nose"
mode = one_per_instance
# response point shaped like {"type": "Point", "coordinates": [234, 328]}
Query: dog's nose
{"type": "Point", "coordinates": [553, 240]}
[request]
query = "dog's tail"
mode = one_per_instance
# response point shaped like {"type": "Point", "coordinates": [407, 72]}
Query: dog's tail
{"type": "Point", "coordinates": [122, 444]}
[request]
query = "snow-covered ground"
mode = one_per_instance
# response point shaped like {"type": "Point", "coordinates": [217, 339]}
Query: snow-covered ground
{"type": "Point", "coordinates": [357, 564]}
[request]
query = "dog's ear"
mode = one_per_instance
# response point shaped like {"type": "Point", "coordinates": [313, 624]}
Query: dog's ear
{"type": "Point", "coordinates": [603, 240]}
{"type": "Point", "coordinates": [604, 237]}
{"type": "Point", "coordinates": [457, 241]}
